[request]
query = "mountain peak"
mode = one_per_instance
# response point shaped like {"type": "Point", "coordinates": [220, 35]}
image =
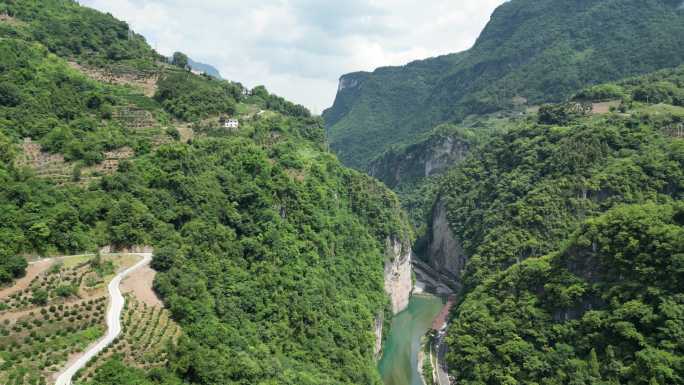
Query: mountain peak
{"type": "Point", "coordinates": [540, 50]}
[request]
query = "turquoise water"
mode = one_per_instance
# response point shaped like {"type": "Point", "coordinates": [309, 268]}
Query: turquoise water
{"type": "Point", "coordinates": [399, 363]}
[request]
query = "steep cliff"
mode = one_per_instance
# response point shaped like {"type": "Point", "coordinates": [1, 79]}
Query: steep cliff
{"type": "Point", "coordinates": [379, 322]}
{"type": "Point", "coordinates": [432, 156]}
{"type": "Point", "coordinates": [398, 283]}
{"type": "Point", "coordinates": [445, 253]}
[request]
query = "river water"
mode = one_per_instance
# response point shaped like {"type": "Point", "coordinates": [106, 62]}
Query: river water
{"type": "Point", "coordinates": [399, 363]}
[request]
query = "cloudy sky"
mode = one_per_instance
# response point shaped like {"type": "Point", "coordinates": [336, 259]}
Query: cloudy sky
{"type": "Point", "coordinates": [299, 48]}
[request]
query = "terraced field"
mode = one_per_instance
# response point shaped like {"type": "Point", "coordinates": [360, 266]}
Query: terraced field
{"type": "Point", "coordinates": [34, 346]}
{"type": "Point", "coordinates": [148, 332]}
{"type": "Point", "coordinates": [55, 318]}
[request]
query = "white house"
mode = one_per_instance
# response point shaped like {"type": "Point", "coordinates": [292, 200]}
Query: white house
{"type": "Point", "coordinates": [231, 123]}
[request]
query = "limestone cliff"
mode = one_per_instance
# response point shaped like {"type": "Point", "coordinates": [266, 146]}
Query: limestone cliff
{"type": "Point", "coordinates": [398, 283]}
{"type": "Point", "coordinates": [445, 253]}
{"type": "Point", "coordinates": [379, 321]}
{"type": "Point", "coordinates": [423, 159]}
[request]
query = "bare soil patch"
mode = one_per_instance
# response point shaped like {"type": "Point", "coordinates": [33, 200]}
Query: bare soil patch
{"type": "Point", "coordinates": [10, 20]}
{"type": "Point", "coordinates": [604, 107]}
{"type": "Point", "coordinates": [145, 81]}
{"type": "Point", "coordinates": [33, 270]}
{"type": "Point", "coordinates": [185, 131]}
{"type": "Point", "coordinates": [139, 283]}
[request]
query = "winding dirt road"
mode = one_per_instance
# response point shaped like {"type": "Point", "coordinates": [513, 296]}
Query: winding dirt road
{"type": "Point", "coordinates": [116, 305]}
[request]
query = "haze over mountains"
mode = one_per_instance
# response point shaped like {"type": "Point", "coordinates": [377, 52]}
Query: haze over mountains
{"type": "Point", "coordinates": [204, 68]}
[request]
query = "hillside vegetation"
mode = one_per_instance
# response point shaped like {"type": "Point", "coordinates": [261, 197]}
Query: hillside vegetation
{"type": "Point", "coordinates": [572, 226]}
{"type": "Point", "coordinates": [270, 252]}
{"type": "Point", "coordinates": [531, 52]}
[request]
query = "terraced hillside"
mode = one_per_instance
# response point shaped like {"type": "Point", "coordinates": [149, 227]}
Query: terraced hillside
{"type": "Point", "coordinates": [148, 337]}
{"type": "Point", "coordinates": [53, 317]}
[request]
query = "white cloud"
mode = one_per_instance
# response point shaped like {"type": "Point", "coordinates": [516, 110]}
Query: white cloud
{"type": "Point", "coordinates": [299, 48]}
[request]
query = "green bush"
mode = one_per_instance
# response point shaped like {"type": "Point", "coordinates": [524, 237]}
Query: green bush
{"type": "Point", "coordinates": [66, 291]}
{"type": "Point", "coordinates": [602, 93]}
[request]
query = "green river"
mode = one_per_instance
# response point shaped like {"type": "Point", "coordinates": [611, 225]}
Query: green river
{"type": "Point", "coordinates": [399, 363]}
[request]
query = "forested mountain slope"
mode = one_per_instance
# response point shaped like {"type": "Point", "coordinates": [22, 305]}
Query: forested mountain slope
{"type": "Point", "coordinates": [570, 232]}
{"type": "Point", "coordinates": [270, 252]}
{"type": "Point", "coordinates": [531, 52]}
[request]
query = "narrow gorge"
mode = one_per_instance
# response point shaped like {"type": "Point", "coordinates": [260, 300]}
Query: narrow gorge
{"type": "Point", "coordinates": [414, 309]}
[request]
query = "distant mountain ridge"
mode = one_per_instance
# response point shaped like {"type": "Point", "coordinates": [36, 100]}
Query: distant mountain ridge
{"type": "Point", "coordinates": [530, 52]}
{"type": "Point", "coordinates": [204, 68]}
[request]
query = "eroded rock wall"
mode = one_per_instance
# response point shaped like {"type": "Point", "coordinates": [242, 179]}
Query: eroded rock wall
{"type": "Point", "coordinates": [421, 160]}
{"type": "Point", "coordinates": [445, 253]}
{"type": "Point", "coordinates": [398, 283]}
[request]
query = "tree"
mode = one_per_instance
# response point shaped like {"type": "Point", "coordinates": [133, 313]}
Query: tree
{"type": "Point", "coordinates": [260, 91]}
{"type": "Point", "coordinates": [180, 60]}
{"type": "Point", "coordinates": [594, 368]}
{"type": "Point", "coordinates": [40, 297]}
{"type": "Point", "coordinates": [9, 95]}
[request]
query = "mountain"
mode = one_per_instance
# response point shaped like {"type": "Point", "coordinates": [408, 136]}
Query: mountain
{"type": "Point", "coordinates": [271, 256]}
{"type": "Point", "coordinates": [531, 52]}
{"type": "Point", "coordinates": [204, 68]}
{"type": "Point", "coordinates": [565, 232]}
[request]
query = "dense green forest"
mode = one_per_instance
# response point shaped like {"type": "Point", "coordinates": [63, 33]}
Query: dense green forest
{"type": "Point", "coordinates": [271, 278]}
{"type": "Point", "coordinates": [531, 52]}
{"type": "Point", "coordinates": [270, 252]}
{"type": "Point", "coordinates": [573, 229]}
{"type": "Point", "coordinates": [79, 33]}
{"type": "Point", "coordinates": [190, 97]}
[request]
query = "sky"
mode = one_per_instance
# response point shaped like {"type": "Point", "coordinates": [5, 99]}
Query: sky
{"type": "Point", "coordinates": [298, 49]}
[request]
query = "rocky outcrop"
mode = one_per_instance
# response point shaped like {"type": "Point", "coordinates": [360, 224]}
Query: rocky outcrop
{"type": "Point", "coordinates": [445, 153]}
{"type": "Point", "coordinates": [379, 321]}
{"type": "Point", "coordinates": [138, 249]}
{"type": "Point", "coordinates": [428, 280]}
{"type": "Point", "coordinates": [398, 283]}
{"type": "Point", "coordinates": [445, 253]}
{"type": "Point", "coordinates": [423, 159]}
{"type": "Point", "coordinates": [348, 91]}
{"type": "Point", "coordinates": [349, 81]}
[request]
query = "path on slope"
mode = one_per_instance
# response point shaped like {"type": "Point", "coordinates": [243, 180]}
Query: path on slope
{"type": "Point", "coordinates": [116, 305]}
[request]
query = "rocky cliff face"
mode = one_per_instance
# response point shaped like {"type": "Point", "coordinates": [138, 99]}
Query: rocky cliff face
{"type": "Point", "coordinates": [450, 150]}
{"type": "Point", "coordinates": [398, 283]}
{"type": "Point", "coordinates": [379, 321]}
{"type": "Point", "coordinates": [427, 158]}
{"type": "Point", "coordinates": [348, 90]}
{"type": "Point", "coordinates": [445, 253]}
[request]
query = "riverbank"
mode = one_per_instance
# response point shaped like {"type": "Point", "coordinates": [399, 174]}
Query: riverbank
{"type": "Point", "coordinates": [399, 364]}
{"type": "Point", "coordinates": [436, 372]}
